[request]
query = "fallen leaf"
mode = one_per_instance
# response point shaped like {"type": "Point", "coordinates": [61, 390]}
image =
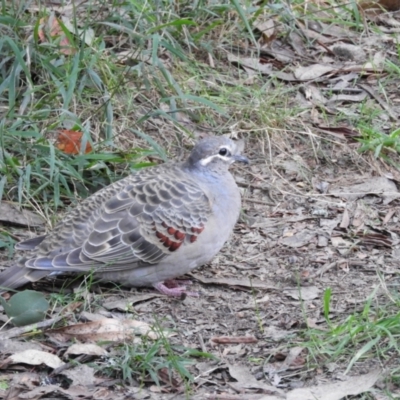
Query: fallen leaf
{"type": "Point", "coordinates": [299, 239]}
{"type": "Point", "coordinates": [70, 142]}
{"type": "Point", "coordinates": [379, 186]}
{"type": "Point", "coordinates": [35, 357]}
{"type": "Point", "coordinates": [274, 333]}
{"type": "Point", "coordinates": [50, 28]}
{"type": "Point", "coordinates": [8, 346]}
{"type": "Point", "coordinates": [104, 329]}
{"type": "Point", "coordinates": [345, 219]}
{"type": "Point", "coordinates": [294, 360]}
{"type": "Point", "coordinates": [252, 63]}
{"type": "Point", "coordinates": [305, 73]}
{"type": "Point", "coordinates": [86, 348]}
{"type": "Point", "coordinates": [82, 375]}
{"type": "Point", "coordinates": [246, 380]}
{"type": "Point", "coordinates": [342, 245]}
{"type": "Point", "coordinates": [303, 293]}
{"type": "Point", "coordinates": [354, 386]}
{"type": "Point", "coordinates": [267, 29]}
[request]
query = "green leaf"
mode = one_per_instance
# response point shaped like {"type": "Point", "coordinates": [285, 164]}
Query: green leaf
{"type": "Point", "coordinates": [27, 307]}
{"type": "Point", "coordinates": [198, 99]}
{"type": "Point", "coordinates": [242, 14]}
{"type": "Point", "coordinates": [177, 23]}
{"type": "Point", "coordinates": [160, 151]}
{"type": "Point", "coordinates": [3, 182]}
{"type": "Point", "coordinates": [327, 302]}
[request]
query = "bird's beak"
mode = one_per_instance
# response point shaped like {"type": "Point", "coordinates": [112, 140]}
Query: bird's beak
{"type": "Point", "coordinates": [242, 159]}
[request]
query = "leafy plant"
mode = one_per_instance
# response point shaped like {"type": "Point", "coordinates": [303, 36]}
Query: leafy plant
{"type": "Point", "coordinates": [379, 143]}
{"type": "Point", "coordinates": [158, 360]}
{"type": "Point", "coordinates": [7, 244]}
{"type": "Point", "coordinates": [363, 334]}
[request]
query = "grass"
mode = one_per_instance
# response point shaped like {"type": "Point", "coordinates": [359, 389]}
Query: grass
{"type": "Point", "coordinates": [7, 244]}
{"type": "Point", "coordinates": [137, 78]}
{"type": "Point", "coordinates": [369, 333]}
{"type": "Point", "coordinates": [159, 360]}
{"type": "Point", "coordinates": [48, 84]}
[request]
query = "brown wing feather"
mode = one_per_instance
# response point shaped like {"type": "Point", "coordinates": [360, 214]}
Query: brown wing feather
{"type": "Point", "coordinates": [140, 219]}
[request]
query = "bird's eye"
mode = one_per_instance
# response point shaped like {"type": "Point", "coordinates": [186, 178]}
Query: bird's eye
{"type": "Point", "coordinates": [223, 151]}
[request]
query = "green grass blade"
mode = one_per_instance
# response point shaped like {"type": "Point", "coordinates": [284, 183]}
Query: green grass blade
{"type": "Point", "coordinates": [327, 303]}
{"type": "Point", "coordinates": [242, 15]}
{"type": "Point", "coordinates": [52, 160]}
{"type": "Point", "coordinates": [365, 349]}
{"type": "Point", "coordinates": [3, 182]}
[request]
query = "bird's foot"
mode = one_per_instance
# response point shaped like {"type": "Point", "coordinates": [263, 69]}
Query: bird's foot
{"type": "Point", "coordinates": [171, 283]}
{"type": "Point", "coordinates": [171, 288]}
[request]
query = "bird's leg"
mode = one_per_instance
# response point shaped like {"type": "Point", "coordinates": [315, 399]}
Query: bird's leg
{"type": "Point", "coordinates": [171, 288]}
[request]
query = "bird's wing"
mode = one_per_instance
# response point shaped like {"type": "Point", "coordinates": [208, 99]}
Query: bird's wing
{"type": "Point", "coordinates": [141, 218]}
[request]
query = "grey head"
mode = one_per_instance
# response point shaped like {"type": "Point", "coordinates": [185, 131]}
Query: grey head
{"type": "Point", "coordinates": [216, 153]}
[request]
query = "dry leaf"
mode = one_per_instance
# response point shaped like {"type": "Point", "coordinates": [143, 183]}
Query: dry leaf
{"type": "Point", "coordinates": [86, 348]}
{"type": "Point", "coordinates": [70, 142]}
{"type": "Point", "coordinates": [104, 329]}
{"type": "Point", "coordinates": [336, 391]}
{"type": "Point", "coordinates": [299, 239]}
{"type": "Point", "coordinates": [81, 375]}
{"type": "Point", "coordinates": [267, 29]}
{"type": "Point", "coordinates": [312, 71]}
{"type": "Point", "coordinates": [303, 293]}
{"type": "Point", "coordinates": [35, 357]}
{"type": "Point", "coordinates": [345, 219]}
{"type": "Point", "coordinates": [379, 186]}
{"type": "Point", "coordinates": [246, 380]}
{"type": "Point", "coordinates": [50, 28]}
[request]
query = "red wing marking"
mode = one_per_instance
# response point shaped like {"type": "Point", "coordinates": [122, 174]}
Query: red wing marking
{"type": "Point", "coordinates": [198, 230]}
{"type": "Point", "coordinates": [171, 230]}
{"type": "Point", "coordinates": [178, 235]}
{"type": "Point", "coordinates": [193, 238]}
{"type": "Point", "coordinates": [174, 246]}
{"type": "Point", "coordinates": [167, 242]}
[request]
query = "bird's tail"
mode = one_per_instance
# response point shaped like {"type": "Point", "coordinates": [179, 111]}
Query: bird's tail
{"type": "Point", "coordinates": [17, 275]}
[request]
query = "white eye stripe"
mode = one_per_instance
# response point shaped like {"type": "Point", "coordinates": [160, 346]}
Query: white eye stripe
{"type": "Point", "coordinates": [206, 161]}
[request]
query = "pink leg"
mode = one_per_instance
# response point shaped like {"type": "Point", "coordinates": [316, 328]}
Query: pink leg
{"type": "Point", "coordinates": [171, 283]}
{"type": "Point", "coordinates": [172, 288]}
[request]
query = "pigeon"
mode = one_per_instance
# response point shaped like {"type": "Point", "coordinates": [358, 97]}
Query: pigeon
{"type": "Point", "coordinates": [146, 229]}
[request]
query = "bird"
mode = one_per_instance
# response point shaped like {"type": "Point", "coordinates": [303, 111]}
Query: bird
{"type": "Point", "coordinates": [146, 229]}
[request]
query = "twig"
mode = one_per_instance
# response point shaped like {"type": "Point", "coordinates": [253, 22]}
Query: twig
{"type": "Point", "coordinates": [14, 332]}
{"type": "Point", "coordinates": [262, 202]}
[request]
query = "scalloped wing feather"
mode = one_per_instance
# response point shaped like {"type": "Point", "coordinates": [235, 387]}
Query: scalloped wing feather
{"type": "Point", "coordinates": [140, 219]}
